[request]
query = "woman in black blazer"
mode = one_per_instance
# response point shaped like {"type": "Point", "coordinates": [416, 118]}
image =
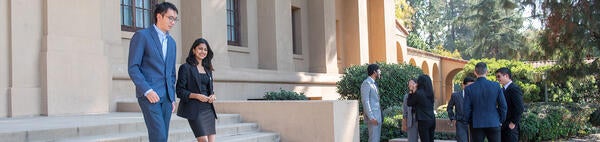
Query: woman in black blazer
{"type": "Point", "coordinates": [422, 102]}
{"type": "Point", "coordinates": [195, 91]}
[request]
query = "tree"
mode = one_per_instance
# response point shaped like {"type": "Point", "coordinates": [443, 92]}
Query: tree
{"type": "Point", "coordinates": [404, 13]}
{"type": "Point", "coordinates": [570, 35]}
{"type": "Point", "coordinates": [497, 26]}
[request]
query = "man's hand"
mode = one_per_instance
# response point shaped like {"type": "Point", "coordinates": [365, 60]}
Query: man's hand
{"type": "Point", "coordinates": [374, 121]}
{"type": "Point", "coordinates": [152, 97]}
{"type": "Point", "coordinates": [511, 125]}
{"type": "Point", "coordinates": [173, 107]}
{"type": "Point", "coordinates": [452, 123]}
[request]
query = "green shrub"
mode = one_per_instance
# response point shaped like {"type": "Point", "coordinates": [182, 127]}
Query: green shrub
{"type": "Point", "coordinates": [554, 121]}
{"type": "Point", "coordinates": [584, 89]}
{"type": "Point", "coordinates": [441, 112]}
{"type": "Point", "coordinates": [523, 74]}
{"type": "Point", "coordinates": [595, 118]}
{"type": "Point", "coordinates": [392, 123]}
{"type": "Point", "coordinates": [284, 95]}
{"type": "Point", "coordinates": [392, 86]}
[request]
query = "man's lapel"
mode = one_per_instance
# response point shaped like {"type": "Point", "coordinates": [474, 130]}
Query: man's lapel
{"type": "Point", "coordinates": [158, 48]}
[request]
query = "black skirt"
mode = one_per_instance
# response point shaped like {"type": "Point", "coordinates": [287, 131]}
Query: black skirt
{"type": "Point", "coordinates": [204, 125]}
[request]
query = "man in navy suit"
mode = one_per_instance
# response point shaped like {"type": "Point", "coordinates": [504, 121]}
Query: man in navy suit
{"type": "Point", "coordinates": [485, 107]}
{"type": "Point", "coordinates": [151, 67]}
{"type": "Point", "coordinates": [514, 101]}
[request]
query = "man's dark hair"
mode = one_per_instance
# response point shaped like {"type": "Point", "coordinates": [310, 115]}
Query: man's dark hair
{"type": "Point", "coordinates": [504, 71]}
{"type": "Point", "coordinates": [162, 8]}
{"type": "Point", "coordinates": [481, 68]}
{"type": "Point", "coordinates": [468, 79]}
{"type": "Point", "coordinates": [372, 68]}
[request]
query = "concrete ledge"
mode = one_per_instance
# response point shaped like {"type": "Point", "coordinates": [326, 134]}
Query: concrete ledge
{"type": "Point", "coordinates": [331, 121]}
{"type": "Point", "coordinates": [442, 125]}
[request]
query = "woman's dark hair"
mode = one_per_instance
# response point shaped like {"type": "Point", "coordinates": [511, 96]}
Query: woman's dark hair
{"type": "Point", "coordinates": [207, 61]}
{"type": "Point", "coordinates": [413, 79]}
{"type": "Point", "coordinates": [162, 8]}
{"type": "Point", "coordinates": [424, 85]}
{"type": "Point", "coordinates": [372, 68]}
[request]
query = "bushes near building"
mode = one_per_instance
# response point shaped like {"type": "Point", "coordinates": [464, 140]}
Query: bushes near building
{"type": "Point", "coordinates": [392, 87]}
{"type": "Point", "coordinates": [284, 95]}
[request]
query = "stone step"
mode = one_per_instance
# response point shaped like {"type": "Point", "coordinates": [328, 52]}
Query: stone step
{"type": "Point", "coordinates": [224, 132]}
{"type": "Point", "coordinates": [251, 137]}
{"type": "Point", "coordinates": [61, 127]}
{"type": "Point", "coordinates": [406, 140]}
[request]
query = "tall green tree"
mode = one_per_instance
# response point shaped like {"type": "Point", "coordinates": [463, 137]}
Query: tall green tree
{"type": "Point", "coordinates": [497, 26]}
{"type": "Point", "coordinates": [571, 35]}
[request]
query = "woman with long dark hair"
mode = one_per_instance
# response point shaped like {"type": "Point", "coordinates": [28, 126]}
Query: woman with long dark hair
{"type": "Point", "coordinates": [195, 89]}
{"type": "Point", "coordinates": [422, 102]}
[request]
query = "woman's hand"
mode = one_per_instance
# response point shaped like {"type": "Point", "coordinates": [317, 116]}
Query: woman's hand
{"type": "Point", "coordinates": [211, 98]}
{"type": "Point", "coordinates": [199, 97]}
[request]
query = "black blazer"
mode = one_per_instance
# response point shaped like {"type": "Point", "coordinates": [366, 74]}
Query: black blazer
{"type": "Point", "coordinates": [422, 105]}
{"type": "Point", "coordinates": [188, 81]}
{"type": "Point", "coordinates": [455, 107]}
{"type": "Point", "coordinates": [514, 101]}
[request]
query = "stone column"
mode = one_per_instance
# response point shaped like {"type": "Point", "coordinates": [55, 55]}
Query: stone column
{"type": "Point", "coordinates": [356, 32]}
{"type": "Point", "coordinates": [25, 42]}
{"type": "Point", "coordinates": [191, 25]}
{"type": "Point", "coordinates": [214, 29]}
{"type": "Point", "coordinates": [4, 57]}
{"type": "Point", "coordinates": [322, 36]}
{"type": "Point", "coordinates": [74, 66]}
{"type": "Point", "coordinates": [275, 36]}
{"type": "Point", "coordinates": [382, 47]}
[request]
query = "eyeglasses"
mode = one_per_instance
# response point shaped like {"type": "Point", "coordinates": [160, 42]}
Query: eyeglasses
{"type": "Point", "coordinates": [173, 19]}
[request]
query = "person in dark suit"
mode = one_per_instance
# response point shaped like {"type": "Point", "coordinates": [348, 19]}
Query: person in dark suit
{"type": "Point", "coordinates": [456, 114]}
{"type": "Point", "coordinates": [369, 95]}
{"type": "Point", "coordinates": [485, 107]}
{"type": "Point", "coordinates": [422, 101]}
{"type": "Point", "coordinates": [151, 67]}
{"type": "Point", "coordinates": [514, 101]}
{"type": "Point", "coordinates": [195, 90]}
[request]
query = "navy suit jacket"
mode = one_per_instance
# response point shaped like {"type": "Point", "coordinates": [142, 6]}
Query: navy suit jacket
{"type": "Point", "coordinates": [146, 66]}
{"type": "Point", "coordinates": [514, 101]}
{"type": "Point", "coordinates": [485, 105]}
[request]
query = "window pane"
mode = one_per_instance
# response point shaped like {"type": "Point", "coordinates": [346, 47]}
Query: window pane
{"type": "Point", "coordinates": [139, 19]}
{"type": "Point", "coordinates": [229, 33]}
{"type": "Point", "coordinates": [146, 4]}
{"type": "Point", "coordinates": [229, 2]}
{"type": "Point", "coordinates": [127, 16]}
{"type": "Point", "coordinates": [139, 3]}
{"type": "Point", "coordinates": [126, 2]}
{"type": "Point", "coordinates": [147, 18]}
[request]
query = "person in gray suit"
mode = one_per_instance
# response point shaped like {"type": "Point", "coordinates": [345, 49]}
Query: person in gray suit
{"type": "Point", "coordinates": [370, 100]}
{"type": "Point", "coordinates": [410, 121]}
{"type": "Point", "coordinates": [455, 112]}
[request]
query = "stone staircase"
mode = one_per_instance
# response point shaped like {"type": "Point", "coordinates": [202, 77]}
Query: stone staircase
{"type": "Point", "coordinates": [121, 127]}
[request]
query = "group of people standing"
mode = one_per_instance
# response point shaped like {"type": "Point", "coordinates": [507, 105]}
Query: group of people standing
{"type": "Point", "coordinates": [482, 110]}
{"type": "Point", "coordinates": [151, 66]}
